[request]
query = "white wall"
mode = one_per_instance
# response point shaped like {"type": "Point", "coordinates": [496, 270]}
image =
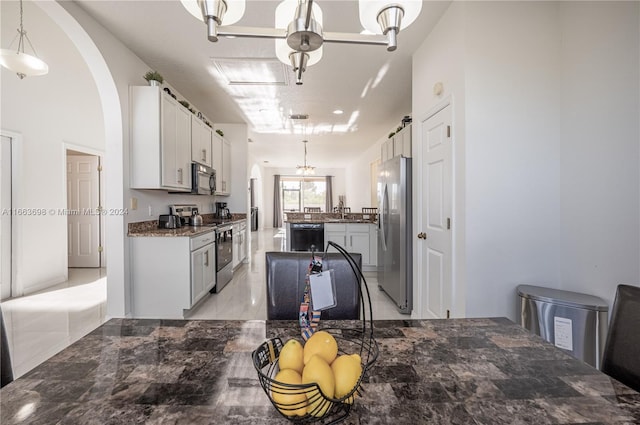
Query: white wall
{"type": "Point", "coordinates": [512, 151]}
{"type": "Point", "coordinates": [550, 154]}
{"type": "Point", "coordinates": [600, 146]}
{"type": "Point", "coordinates": [48, 111]}
{"type": "Point", "coordinates": [440, 59]}
{"type": "Point", "coordinates": [358, 177]}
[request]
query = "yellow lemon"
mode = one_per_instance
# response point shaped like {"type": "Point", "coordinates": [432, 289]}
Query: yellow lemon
{"type": "Point", "coordinates": [346, 371]}
{"type": "Point", "coordinates": [289, 401]}
{"type": "Point", "coordinates": [318, 370]}
{"type": "Point", "coordinates": [292, 356]}
{"type": "Point", "coordinates": [323, 344]}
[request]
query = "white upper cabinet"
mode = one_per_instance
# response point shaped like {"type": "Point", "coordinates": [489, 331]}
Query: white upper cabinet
{"type": "Point", "coordinates": [200, 142]}
{"type": "Point", "coordinates": [160, 141]}
{"type": "Point", "coordinates": [222, 164]}
{"type": "Point", "coordinates": [398, 145]}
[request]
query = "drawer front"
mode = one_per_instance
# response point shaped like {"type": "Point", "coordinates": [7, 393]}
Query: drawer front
{"type": "Point", "coordinates": [358, 227]}
{"type": "Point", "coordinates": [202, 240]}
{"type": "Point", "coordinates": [335, 227]}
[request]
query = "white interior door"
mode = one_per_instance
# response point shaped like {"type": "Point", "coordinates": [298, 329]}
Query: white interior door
{"type": "Point", "coordinates": [82, 203]}
{"type": "Point", "coordinates": [5, 217]}
{"type": "Point", "coordinates": [436, 238]}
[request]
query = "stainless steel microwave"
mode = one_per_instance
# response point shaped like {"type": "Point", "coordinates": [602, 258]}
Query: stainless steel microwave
{"type": "Point", "coordinates": [203, 179]}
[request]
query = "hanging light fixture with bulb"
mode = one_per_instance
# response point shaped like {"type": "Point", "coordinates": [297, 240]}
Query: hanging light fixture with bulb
{"type": "Point", "coordinates": [299, 41]}
{"type": "Point", "coordinates": [17, 60]}
{"type": "Point", "coordinates": [305, 169]}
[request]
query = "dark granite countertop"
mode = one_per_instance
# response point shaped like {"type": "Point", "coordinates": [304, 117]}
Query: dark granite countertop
{"type": "Point", "coordinates": [297, 217]}
{"type": "Point", "coordinates": [150, 228]}
{"type": "Point", "coordinates": [459, 371]}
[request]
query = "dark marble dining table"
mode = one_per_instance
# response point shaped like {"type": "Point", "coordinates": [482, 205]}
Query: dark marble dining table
{"type": "Point", "coordinates": [456, 371]}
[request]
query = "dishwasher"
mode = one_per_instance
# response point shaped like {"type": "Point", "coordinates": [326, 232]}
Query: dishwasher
{"type": "Point", "coordinates": [305, 235]}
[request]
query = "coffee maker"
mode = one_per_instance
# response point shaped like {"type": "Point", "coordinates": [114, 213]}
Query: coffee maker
{"type": "Point", "coordinates": [222, 212]}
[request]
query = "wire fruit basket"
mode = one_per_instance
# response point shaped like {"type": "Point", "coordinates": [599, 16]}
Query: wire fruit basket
{"type": "Point", "coordinates": [307, 403]}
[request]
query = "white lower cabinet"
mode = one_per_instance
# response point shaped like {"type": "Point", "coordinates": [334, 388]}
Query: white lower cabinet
{"type": "Point", "coordinates": [203, 266]}
{"type": "Point", "coordinates": [170, 274]}
{"type": "Point", "coordinates": [354, 237]}
{"type": "Point", "coordinates": [239, 243]}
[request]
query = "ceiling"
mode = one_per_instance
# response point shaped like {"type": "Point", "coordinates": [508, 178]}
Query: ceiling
{"type": "Point", "coordinates": [372, 86]}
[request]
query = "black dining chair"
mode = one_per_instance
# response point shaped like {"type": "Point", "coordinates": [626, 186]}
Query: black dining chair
{"type": "Point", "coordinates": [6, 371]}
{"type": "Point", "coordinates": [621, 357]}
{"type": "Point", "coordinates": [286, 272]}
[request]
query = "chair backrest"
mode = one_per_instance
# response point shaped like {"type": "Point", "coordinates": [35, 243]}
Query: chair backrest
{"type": "Point", "coordinates": [344, 209]}
{"type": "Point", "coordinates": [286, 272]}
{"type": "Point", "coordinates": [371, 210]}
{"type": "Point", "coordinates": [621, 357]}
{"type": "Point", "coordinates": [6, 371]}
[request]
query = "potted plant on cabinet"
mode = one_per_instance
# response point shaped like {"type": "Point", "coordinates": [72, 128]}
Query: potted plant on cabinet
{"type": "Point", "coordinates": [153, 78]}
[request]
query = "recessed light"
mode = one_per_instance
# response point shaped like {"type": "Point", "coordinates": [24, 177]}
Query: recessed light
{"type": "Point", "coordinates": [338, 112]}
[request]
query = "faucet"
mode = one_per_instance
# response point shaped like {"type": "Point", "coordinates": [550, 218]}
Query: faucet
{"type": "Point", "coordinates": [341, 209]}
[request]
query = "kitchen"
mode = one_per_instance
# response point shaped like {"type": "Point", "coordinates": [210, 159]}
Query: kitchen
{"type": "Point", "coordinates": [442, 54]}
{"type": "Point", "coordinates": [533, 235]}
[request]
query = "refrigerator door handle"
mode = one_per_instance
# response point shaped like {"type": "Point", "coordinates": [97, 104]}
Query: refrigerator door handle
{"type": "Point", "coordinates": [383, 218]}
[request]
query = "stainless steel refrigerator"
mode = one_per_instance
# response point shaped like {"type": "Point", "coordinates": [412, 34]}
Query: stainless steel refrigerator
{"type": "Point", "coordinates": [395, 262]}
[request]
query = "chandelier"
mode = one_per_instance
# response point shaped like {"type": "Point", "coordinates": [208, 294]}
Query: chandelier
{"type": "Point", "coordinates": [305, 169]}
{"type": "Point", "coordinates": [17, 60]}
{"type": "Point", "coordinates": [298, 30]}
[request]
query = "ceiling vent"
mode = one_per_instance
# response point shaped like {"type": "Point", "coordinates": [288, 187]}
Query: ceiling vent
{"type": "Point", "coordinates": [252, 71]}
{"type": "Point", "coordinates": [299, 116]}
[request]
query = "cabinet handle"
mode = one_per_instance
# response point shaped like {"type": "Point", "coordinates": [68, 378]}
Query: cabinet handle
{"type": "Point", "coordinates": [180, 175]}
{"type": "Point", "coordinates": [206, 258]}
{"type": "Point", "coordinates": [204, 154]}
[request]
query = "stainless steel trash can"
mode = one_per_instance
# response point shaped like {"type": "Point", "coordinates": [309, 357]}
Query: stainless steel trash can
{"type": "Point", "coordinates": [574, 322]}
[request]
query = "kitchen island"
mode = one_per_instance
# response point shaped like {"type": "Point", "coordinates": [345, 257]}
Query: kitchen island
{"type": "Point", "coordinates": [356, 232]}
{"type": "Point", "coordinates": [457, 371]}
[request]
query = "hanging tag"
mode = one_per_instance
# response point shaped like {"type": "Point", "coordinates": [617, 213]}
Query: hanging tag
{"type": "Point", "coordinates": [323, 290]}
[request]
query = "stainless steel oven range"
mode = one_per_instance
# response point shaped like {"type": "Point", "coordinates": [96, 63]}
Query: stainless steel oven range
{"type": "Point", "coordinates": [224, 257]}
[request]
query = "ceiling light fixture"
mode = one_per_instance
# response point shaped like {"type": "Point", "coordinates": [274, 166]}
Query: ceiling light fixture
{"type": "Point", "coordinates": [305, 169]}
{"type": "Point", "coordinates": [338, 112]}
{"type": "Point", "coordinates": [304, 35]}
{"type": "Point", "coordinates": [18, 61]}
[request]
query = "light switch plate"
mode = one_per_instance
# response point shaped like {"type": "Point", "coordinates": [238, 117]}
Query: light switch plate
{"type": "Point", "coordinates": [307, 216]}
{"type": "Point", "coordinates": [365, 216]}
{"type": "Point", "coordinates": [134, 204]}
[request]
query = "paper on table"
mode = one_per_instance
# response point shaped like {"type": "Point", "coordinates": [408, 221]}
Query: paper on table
{"type": "Point", "coordinates": [323, 290]}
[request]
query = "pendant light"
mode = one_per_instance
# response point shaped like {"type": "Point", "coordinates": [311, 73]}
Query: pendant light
{"type": "Point", "coordinates": [17, 60]}
{"type": "Point", "coordinates": [305, 169]}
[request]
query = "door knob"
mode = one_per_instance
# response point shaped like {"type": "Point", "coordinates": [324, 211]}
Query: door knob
{"type": "Point", "coordinates": [422, 235]}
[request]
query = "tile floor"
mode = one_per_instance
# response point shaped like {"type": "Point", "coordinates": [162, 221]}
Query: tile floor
{"type": "Point", "coordinates": [245, 297]}
{"type": "Point", "coordinates": [42, 324]}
